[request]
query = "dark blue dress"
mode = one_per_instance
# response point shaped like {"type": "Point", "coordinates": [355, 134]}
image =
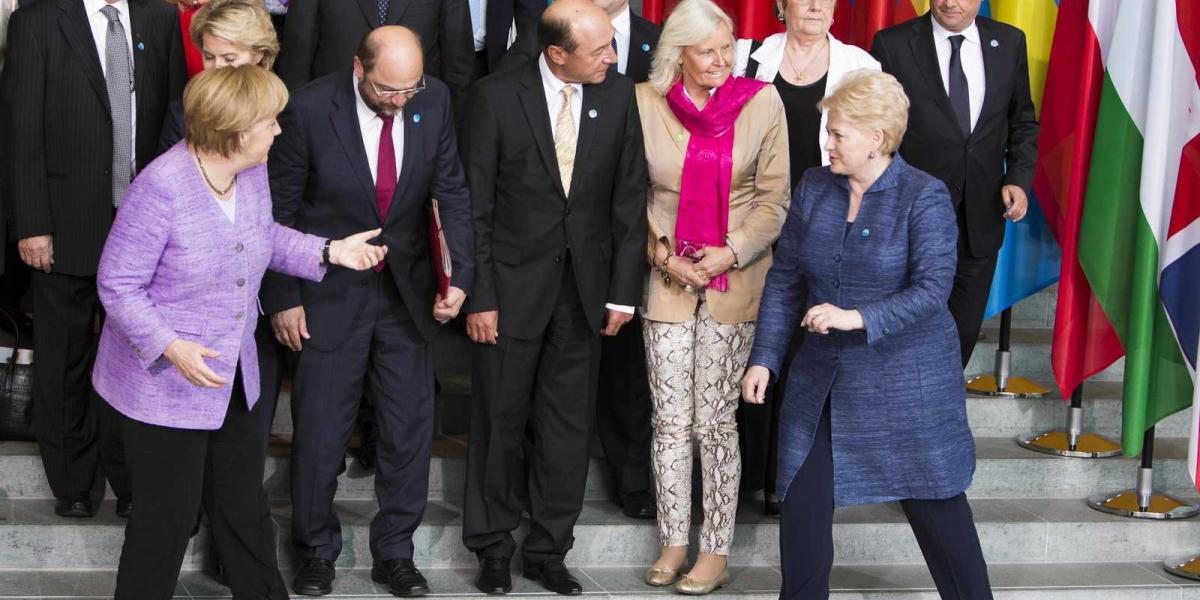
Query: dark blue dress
{"type": "Point", "coordinates": [897, 402]}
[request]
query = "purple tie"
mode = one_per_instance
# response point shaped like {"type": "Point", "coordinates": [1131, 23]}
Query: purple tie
{"type": "Point", "coordinates": [385, 178]}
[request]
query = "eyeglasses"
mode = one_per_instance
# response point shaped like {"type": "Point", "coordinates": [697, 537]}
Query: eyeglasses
{"type": "Point", "coordinates": [806, 3]}
{"type": "Point", "coordinates": [393, 93]}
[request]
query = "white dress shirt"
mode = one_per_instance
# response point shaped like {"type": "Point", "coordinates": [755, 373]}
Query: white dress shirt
{"type": "Point", "coordinates": [971, 54]}
{"type": "Point", "coordinates": [371, 127]}
{"type": "Point", "coordinates": [99, 24]}
{"type": "Point", "coordinates": [479, 24]}
{"type": "Point", "coordinates": [621, 28]}
{"type": "Point", "coordinates": [552, 86]}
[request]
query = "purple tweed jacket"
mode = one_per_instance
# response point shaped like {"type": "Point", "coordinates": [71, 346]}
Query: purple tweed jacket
{"type": "Point", "coordinates": [175, 267]}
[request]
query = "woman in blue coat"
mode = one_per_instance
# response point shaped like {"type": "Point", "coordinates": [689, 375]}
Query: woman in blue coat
{"type": "Point", "coordinates": [874, 409]}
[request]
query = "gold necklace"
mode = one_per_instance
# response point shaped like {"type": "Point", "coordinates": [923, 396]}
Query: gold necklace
{"type": "Point", "coordinates": [219, 191]}
{"type": "Point", "coordinates": [800, 72]}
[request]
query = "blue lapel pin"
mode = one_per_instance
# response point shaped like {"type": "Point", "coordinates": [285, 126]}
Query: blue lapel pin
{"type": "Point", "coordinates": [141, 47]}
{"type": "Point", "coordinates": [645, 47]}
{"type": "Point", "coordinates": [417, 118]}
{"type": "Point", "coordinates": [866, 232]}
{"type": "Point", "coordinates": [995, 44]}
{"type": "Point", "coordinates": [592, 114]}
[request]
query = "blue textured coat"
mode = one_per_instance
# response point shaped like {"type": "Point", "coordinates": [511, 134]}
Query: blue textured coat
{"type": "Point", "coordinates": [898, 409]}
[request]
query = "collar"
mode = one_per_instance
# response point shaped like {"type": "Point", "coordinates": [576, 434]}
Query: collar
{"type": "Point", "coordinates": [93, 6]}
{"type": "Point", "coordinates": [550, 81]}
{"type": "Point", "coordinates": [365, 114]}
{"type": "Point", "coordinates": [941, 34]}
{"type": "Point", "coordinates": [621, 22]}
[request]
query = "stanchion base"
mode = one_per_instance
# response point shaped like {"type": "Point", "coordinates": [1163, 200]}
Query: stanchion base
{"type": "Point", "coordinates": [1090, 445]}
{"type": "Point", "coordinates": [1187, 567]}
{"type": "Point", "coordinates": [1018, 387]}
{"type": "Point", "coordinates": [1125, 504]}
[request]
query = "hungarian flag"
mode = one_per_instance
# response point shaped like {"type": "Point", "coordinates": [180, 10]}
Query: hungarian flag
{"type": "Point", "coordinates": [1140, 224]}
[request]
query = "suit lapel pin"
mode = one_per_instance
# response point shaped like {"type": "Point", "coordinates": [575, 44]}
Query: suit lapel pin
{"type": "Point", "coordinates": [645, 47]}
{"type": "Point", "coordinates": [141, 47]}
{"type": "Point", "coordinates": [679, 136]}
{"type": "Point", "coordinates": [995, 44]}
{"type": "Point", "coordinates": [592, 114]}
{"type": "Point", "coordinates": [866, 232]}
{"type": "Point", "coordinates": [417, 118]}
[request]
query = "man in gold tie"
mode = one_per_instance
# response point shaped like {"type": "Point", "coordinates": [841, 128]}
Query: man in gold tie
{"type": "Point", "coordinates": [557, 173]}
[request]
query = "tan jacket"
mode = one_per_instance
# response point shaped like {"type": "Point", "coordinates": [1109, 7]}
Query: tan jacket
{"type": "Point", "coordinates": [758, 202]}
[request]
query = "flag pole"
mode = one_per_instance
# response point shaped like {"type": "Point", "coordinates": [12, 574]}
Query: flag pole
{"type": "Point", "coordinates": [1143, 502]}
{"type": "Point", "coordinates": [1001, 383]}
{"type": "Point", "coordinates": [1072, 442]}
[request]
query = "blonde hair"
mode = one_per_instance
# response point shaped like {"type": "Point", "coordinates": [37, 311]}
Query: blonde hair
{"type": "Point", "coordinates": [692, 22]}
{"type": "Point", "coordinates": [220, 104]}
{"type": "Point", "coordinates": [872, 100]}
{"type": "Point", "coordinates": [243, 22]}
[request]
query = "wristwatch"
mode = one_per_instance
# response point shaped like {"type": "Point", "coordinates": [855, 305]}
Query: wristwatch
{"type": "Point", "coordinates": [325, 253]}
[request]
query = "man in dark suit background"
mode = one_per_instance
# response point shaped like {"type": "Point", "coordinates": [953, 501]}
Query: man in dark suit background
{"type": "Point", "coordinates": [363, 149]}
{"type": "Point", "coordinates": [972, 124]}
{"type": "Point", "coordinates": [85, 87]}
{"type": "Point", "coordinates": [492, 21]}
{"type": "Point", "coordinates": [558, 179]}
{"type": "Point", "coordinates": [320, 37]}
{"type": "Point", "coordinates": [623, 407]}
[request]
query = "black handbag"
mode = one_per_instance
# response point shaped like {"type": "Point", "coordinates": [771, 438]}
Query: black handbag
{"type": "Point", "coordinates": [16, 393]}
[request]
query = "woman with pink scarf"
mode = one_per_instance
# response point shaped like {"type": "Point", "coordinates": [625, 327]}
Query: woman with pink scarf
{"type": "Point", "coordinates": [717, 148]}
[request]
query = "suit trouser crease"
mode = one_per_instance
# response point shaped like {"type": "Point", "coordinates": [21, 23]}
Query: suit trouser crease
{"type": "Point", "coordinates": [969, 294]}
{"type": "Point", "coordinates": [76, 430]}
{"type": "Point", "coordinates": [549, 384]}
{"type": "Point", "coordinates": [384, 352]}
{"type": "Point", "coordinates": [695, 368]}
{"type": "Point", "coordinates": [175, 472]}
{"type": "Point", "coordinates": [945, 532]}
{"type": "Point", "coordinates": [623, 410]}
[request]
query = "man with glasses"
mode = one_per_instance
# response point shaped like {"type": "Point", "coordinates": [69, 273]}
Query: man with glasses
{"type": "Point", "coordinates": [367, 148]}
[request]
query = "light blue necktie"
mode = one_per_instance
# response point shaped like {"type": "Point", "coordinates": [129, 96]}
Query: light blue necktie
{"type": "Point", "coordinates": [476, 15]}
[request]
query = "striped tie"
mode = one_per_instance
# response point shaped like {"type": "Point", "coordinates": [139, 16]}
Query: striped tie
{"type": "Point", "coordinates": [564, 139]}
{"type": "Point", "coordinates": [119, 80]}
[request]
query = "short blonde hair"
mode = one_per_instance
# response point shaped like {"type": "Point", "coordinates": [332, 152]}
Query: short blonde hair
{"type": "Point", "coordinates": [243, 22]}
{"type": "Point", "coordinates": [872, 100]}
{"type": "Point", "coordinates": [692, 22]}
{"type": "Point", "coordinates": [219, 104]}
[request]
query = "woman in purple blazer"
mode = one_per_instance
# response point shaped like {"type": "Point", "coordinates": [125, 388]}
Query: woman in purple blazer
{"type": "Point", "coordinates": [179, 280]}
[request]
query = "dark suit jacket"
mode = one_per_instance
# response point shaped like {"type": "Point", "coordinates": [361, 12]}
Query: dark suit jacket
{"type": "Point", "coordinates": [174, 128]}
{"type": "Point", "coordinates": [1005, 134]}
{"type": "Point", "coordinates": [54, 100]}
{"type": "Point", "coordinates": [525, 225]}
{"type": "Point", "coordinates": [320, 37]}
{"type": "Point", "coordinates": [643, 39]}
{"type": "Point", "coordinates": [321, 184]}
{"type": "Point", "coordinates": [499, 18]}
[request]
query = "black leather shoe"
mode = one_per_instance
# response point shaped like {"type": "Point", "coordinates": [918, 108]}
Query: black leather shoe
{"type": "Point", "coordinates": [771, 505]}
{"type": "Point", "coordinates": [639, 505]}
{"type": "Point", "coordinates": [314, 578]}
{"type": "Point", "coordinates": [79, 507]}
{"type": "Point", "coordinates": [494, 577]}
{"type": "Point", "coordinates": [554, 576]}
{"type": "Point", "coordinates": [124, 507]}
{"type": "Point", "coordinates": [401, 576]}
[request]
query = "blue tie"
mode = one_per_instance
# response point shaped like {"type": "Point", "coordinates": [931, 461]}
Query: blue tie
{"type": "Point", "coordinates": [383, 9]}
{"type": "Point", "coordinates": [475, 16]}
{"type": "Point", "coordinates": [960, 94]}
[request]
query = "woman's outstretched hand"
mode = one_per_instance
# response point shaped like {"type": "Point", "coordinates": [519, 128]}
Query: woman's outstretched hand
{"type": "Point", "coordinates": [355, 253]}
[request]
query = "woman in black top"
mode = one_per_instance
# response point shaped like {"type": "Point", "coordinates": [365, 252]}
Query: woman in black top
{"type": "Point", "coordinates": [806, 64]}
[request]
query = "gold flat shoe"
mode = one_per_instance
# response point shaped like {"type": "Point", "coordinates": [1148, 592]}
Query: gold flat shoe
{"type": "Point", "coordinates": [695, 587]}
{"type": "Point", "coordinates": [661, 577]}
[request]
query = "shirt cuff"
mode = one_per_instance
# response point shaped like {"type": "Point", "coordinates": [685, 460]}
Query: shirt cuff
{"type": "Point", "coordinates": [620, 308]}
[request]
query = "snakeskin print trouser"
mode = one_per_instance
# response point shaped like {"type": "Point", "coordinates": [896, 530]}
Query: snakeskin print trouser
{"type": "Point", "coordinates": [695, 370]}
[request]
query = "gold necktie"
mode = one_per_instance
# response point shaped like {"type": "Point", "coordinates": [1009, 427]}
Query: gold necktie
{"type": "Point", "coordinates": [564, 139]}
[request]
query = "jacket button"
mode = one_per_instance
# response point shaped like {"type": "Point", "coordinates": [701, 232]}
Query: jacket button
{"type": "Point", "coordinates": [557, 258]}
{"type": "Point", "coordinates": [886, 331]}
{"type": "Point", "coordinates": [241, 315]}
{"type": "Point", "coordinates": [239, 247]}
{"type": "Point", "coordinates": [566, 212]}
{"type": "Point", "coordinates": [241, 281]}
{"type": "Point", "coordinates": [837, 258]}
{"type": "Point", "coordinates": [107, 171]}
{"type": "Point", "coordinates": [837, 283]}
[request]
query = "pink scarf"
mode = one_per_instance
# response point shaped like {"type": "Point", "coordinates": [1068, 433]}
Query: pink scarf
{"type": "Point", "coordinates": [703, 218]}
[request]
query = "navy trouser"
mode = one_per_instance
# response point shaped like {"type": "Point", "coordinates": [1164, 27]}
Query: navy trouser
{"type": "Point", "coordinates": [945, 531]}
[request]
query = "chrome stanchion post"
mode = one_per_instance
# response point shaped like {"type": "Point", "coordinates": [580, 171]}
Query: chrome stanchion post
{"type": "Point", "coordinates": [1001, 382]}
{"type": "Point", "coordinates": [1142, 502]}
{"type": "Point", "coordinates": [1074, 442]}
